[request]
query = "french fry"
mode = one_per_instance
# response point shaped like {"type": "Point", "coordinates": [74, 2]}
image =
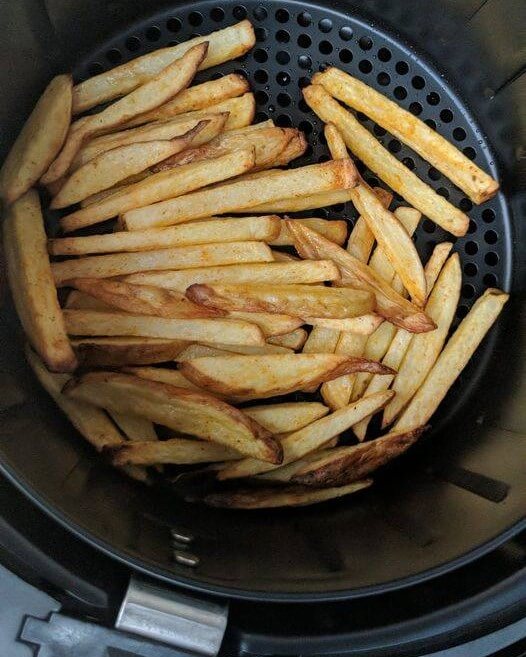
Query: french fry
{"type": "Point", "coordinates": [362, 325]}
{"type": "Point", "coordinates": [142, 299]}
{"type": "Point", "coordinates": [120, 351]}
{"type": "Point", "coordinates": [98, 323]}
{"type": "Point", "coordinates": [197, 350]}
{"type": "Point", "coordinates": [422, 354]}
{"type": "Point", "coordinates": [293, 340]}
{"type": "Point", "coordinates": [297, 272]}
{"type": "Point", "coordinates": [295, 148]}
{"type": "Point", "coordinates": [347, 464]}
{"type": "Point", "coordinates": [31, 282]}
{"type": "Point", "coordinates": [285, 473]}
{"type": "Point", "coordinates": [175, 450]}
{"type": "Point", "coordinates": [270, 324]}
{"type": "Point", "coordinates": [238, 195]}
{"type": "Point", "coordinates": [332, 229]}
{"type": "Point", "coordinates": [223, 45]}
{"type": "Point", "coordinates": [390, 304]}
{"type": "Point", "coordinates": [312, 437]}
{"type": "Point", "coordinates": [134, 427]}
{"type": "Point", "coordinates": [250, 350]}
{"type": "Point", "coordinates": [453, 359]}
{"type": "Point", "coordinates": [338, 392]}
{"type": "Point", "coordinates": [39, 141]}
{"type": "Point", "coordinates": [159, 186]}
{"type": "Point", "coordinates": [179, 409]}
{"type": "Point", "coordinates": [283, 256]}
{"type": "Point", "coordinates": [182, 257]}
{"type": "Point", "coordinates": [163, 375]}
{"type": "Point", "coordinates": [369, 150]}
{"type": "Point", "coordinates": [286, 417]}
{"type": "Point", "coordinates": [258, 377]}
{"type": "Point", "coordinates": [301, 203]}
{"type": "Point", "coordinates": [361, 240]}
{"type": "Point", "coordinates": [409, 129]}
{"type": "Point", "coordinates": [77, 300]}
{"type": "Point", "coordinates": [271, 498]}
{"type": "Point", "coordinates": [159, 89]}
{"type": "Point", "coordinates": [293, 300]}
{"type": "Point", "coordinates": [321, 340]}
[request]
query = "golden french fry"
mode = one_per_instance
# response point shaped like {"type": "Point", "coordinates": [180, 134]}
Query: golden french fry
{"type": "Point", "coordinates": [435, 263]}
{"type": "Point", "coordinates": [453, 358]}
{"type": "Point", "coordinates": [258, 377]}
{"type": "Point", "coordinates": [293, 340]}
{"type": "Point", "coordinates": [159, 89]}
{"type": "Point", "coordinates": [285, 473]}
{"type": "Point", "coordinates": [159, 186]}
{"type": "Point", "coordinates": [295, 148]}
{"type": "Point", "coordinates": [119, 351]}
{"type": "Point", "coordinates": [134, 427]}
{"type": "Point", "coordinates": [142, 299]}
{"type": "Point", "coordinates": [235, 196]}
{"type": "Point", "coordinates": [321, 340]}
{"type": "Point", "coordinates": [98, 323]}
{"type": "Point", "coordinates": [250, 350]}
{"type": "Point", "coordinates": [163, 375]}
{"type": "Point", "coordinates": [270, 324]}
{"type": "Point", "coordinates": [175, 450]}
{"type": "Point", "coordinates": [296, 300]}
{"type": "Point", "coordinates": [31, 282]}
{"type": "Point", "coordinates": [197, 350]}
{"type": "Point", "coordinates": [315, 435]}
{"type": "Point", "coordinates": [182, 257]}
{"type": "Point", "coordinates": [270, 498]}
{"type": "Point", "coordinates": [297, 272]}
{"type": "Point", "coordinates": [39, 141]}
{"type": "Point", "coordinates": [369, 150]}
{"type": "Point", "coordinates": [283, 256]}
{"type": "Point", "coordinates": [286, 417]}
{"type": "Point", "coordinates": [361, 240]}
{"type": "Point", "coordinates": [77, 300]}
{"type": "Point", "coordinates": [338, 393]}
{"type": "Point", "coordinates": [303, 202]}
{"type": "Point", "coordinates": [347, 464]}
{"type": "Point", "coordinates": [362, 325]}
{"type": "Point", "coordinates": [332, 229]}
{"type": "Point", "coordinates": [190, 412]}
{"type": "Point", "coordinates": [403, 125]}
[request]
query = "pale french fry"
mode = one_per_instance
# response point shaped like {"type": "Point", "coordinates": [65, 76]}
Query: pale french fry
{"type": "Point", "coordinates": [134, 427]}
{"type": "Point", "coordinates": [293, 340]}
{"type": "Point", "coordinates": [199, 351]}
{"type": "Point", "coordinates": [180, 451]}
{"type": "Point", "coordinates": [286, 417]}
{"type": "Point", "coordinates": [31, 282]}
{"type": "Point", "coordinates": [286, 472]}
{"type": "Point", "coordinates": [98, 323]}
{"type": "Point", "coordinates": [253, 349]}
{"type": "Point", "coordinates": [332, 229]}
{"type": "Point", "coordinates": [159, 186]}
{"type": "Point", "coordinates": [270, 498]}
{"type": "Point", "coordinates": [282, 256]}
{"type": "Point", "coordinates": [362, 325]}
{"type": "Point", "coordinates": [409, 129]}
{"type": "Point", "coordinates": [77, 300]}
{"type": "Point", "coordinates": [315, 435]}
{"type": "Point", "coordinates": [179, 409]}
{"type": "Point", "coordinates": [120, 351]}
{"type": "Point", "coordinates": [235, 196]}
{"type": "Point", "coordinates": [163, 375]}
{"type": "Point", "coordinates": [338, 392]}
{"type": "Point", "coordinates": [39, 141]}
{"type": "Point", "coordinates": [347, 464]}
{"type": "Point", "coordinates": [453, 359]}
{"type": "Point", "coordinates": [369, 150]}
{"type": "Point", "coordinates": [321, 340]}
{"type": "Point", "coordinates": [168, 82]}
{"type": "Point", "coordinates": [182, 257]}
{"type": "Point", "coordinates": [361, 240]}
{"type": "Point", "coordinates": [202, 232]}
{"type": "Point", "coordinates": [142, 299]}
{"type": "Point", "coordinates": [295, 148]}
{"type": "Point", "coordinates": [435, 263]}
{"type": "Point", "coordinates": [296, 300]}
{"type": "Point", "coordinates": [304, 202]}
{"type": "Point", "coordinates": [270, 324]}
{"type": "Point", "coordinates": [258, 377]}
{"type": "Point", "coordinates": [297, 272]}
{"type": "Point", "coordinates": [422, 354]}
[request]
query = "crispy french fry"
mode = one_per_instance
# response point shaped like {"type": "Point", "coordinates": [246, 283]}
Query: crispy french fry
{"type": "Point", "coordinates": [120, 351]}
{"type": "Point", "coordinates": [293, 340]}
{"type": "Point", "coordinates": [142, 299]}
{"type": "Point", "coordinates": [31, 283]}
{"type": "Point", "coordinates": [235, 196]}
{"type": "Point", "coordinates": [179, 409]}
{"type": "Point", "coordinates": [39, 141]}
{"type": "Point", "coordinates": [98, 323]}
{"type": "Point", "coordinates": [368, 149]}
{"type": "Point", "coordinates": [362, 325]}
{"type": "Point", "coordinates": [403, 125]}
{"type": "Point", "coordinates": [258, 377]}
{"type": "Point", "coordinates": [183, 257]}
{"type": "Point", "coordinates": [286, 417]}
{"type": "Point", "coordinates": [293, 300]}
{"type": "Point", "coordinates": [347, 464]}
{"type": "Point", "coordinates": [134, 427]}
{"type": "Point", "coordinates": [315, 435]}
{"type": "Point", "coordinates": [332, 229]}
{"type": "Point", "coordinates": [159, 186]}
{"type": "Point", "coordinates": [453, 359]}
{"type": "Point", "coordinates": [270, 498]}
{"type": "Point", "coordinates": [175, 450]}
{"type": "Point", "coordinates": [159, 89]}
{"type": "Point", "coordinates": [297, 272]}
{"type": "Point", "coordinates": [270, 324]}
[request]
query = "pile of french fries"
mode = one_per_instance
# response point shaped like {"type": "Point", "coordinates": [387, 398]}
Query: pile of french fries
{"type": "Point", "coordinates": [185, 317]}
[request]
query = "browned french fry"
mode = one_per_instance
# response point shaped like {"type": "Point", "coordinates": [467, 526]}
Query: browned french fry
{"type": "Point", "coordinates": [120, 351]}
{"type": "Point", "coordinates": [174, 450]}
{"type": "Point", "coordinates": [39, 140]}
{"type": "Point", "coordinates": [293, 340]}
{"type": "Point", "coordinates": [197, 350]}
{"type": "Point", "coordinates": [258, 377]}
{"type": "Point", "coordinates": [347, 464]}
{"type": "Point", "coordinates": [403, 125]}
{"type": "Point", "coordinates": [98, 323]}
{"type": "Point", "coordinates": [179, 409]}
{"type": "Point", "coordinates": [159, 186]}
{"type": "Point", "coordinates": [296, 300]}
{"type": "Point", "coordinates": [77, 300]}
{"type": "Point", "coordinates": [295, 148]}
{"type": "Point", "coordinates": [235, 196]}
{"type": "Point", "coordinates": [362, 325]}
{"type": "Point", "coordinates": [286, 417]}
{"type": "Point", "coordinates": [269, 323]}
{"type": "Point", "coordinates": [184, 257]}
{"type": "Point", "coordinates": [332, 229]}
{"type": "Point", "coordinates": [368, 149]}
{"type": "Point", "coordinates": [31, 282]}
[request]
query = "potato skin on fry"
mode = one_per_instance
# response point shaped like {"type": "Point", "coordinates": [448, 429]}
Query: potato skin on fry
{"type": "Point", "coordinates": [120, 351]}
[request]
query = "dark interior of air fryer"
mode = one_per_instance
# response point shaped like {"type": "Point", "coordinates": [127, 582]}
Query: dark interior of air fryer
{"type": "Point", "coordinates": [462, 487]}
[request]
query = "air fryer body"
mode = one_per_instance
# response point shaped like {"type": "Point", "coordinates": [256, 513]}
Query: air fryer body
{"type": "Point", "coordinates": [459, 492]}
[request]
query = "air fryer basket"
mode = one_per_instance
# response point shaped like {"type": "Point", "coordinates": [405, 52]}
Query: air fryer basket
{"type": "Point", "coordinates": [452, 497]}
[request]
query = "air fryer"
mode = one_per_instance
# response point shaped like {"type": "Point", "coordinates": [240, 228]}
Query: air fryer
{"type": "Point", "coordinates": [462, 489]}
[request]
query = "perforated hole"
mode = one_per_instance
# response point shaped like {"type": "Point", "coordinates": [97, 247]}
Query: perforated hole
{"type": "Point", "coordinates": [471, 269]}
{"type": "Point", "coordinates": [260, 55]}
{"type": "Point", "coordinates": [490, 280]}
{"type": "Point", "coordinates": [261, 76]}
{"type": "Point", "coordinates": [415, 108]}
{"type": "Point", "coordinates": [379, 131]}
{"type": "Point", "coordinates": [365, 66]}
{"type": "Point", "coordinates": [383, 79]}
{"type": "Point", "coordinates": [282, 15]}
{"type": "Point", "coordinates": [471, 248]}
{"type": "Point", "coordinates": [402, 68]}
{"type": "Point", "coordinates": [394, 146]}
{"type": "Point", "coordinates": [400, 93]}
{"type": "Point", "coordinates": [491, 258]}
{"type": "Point", "coordinates": [195, 18]}
{"type": "Point", "coordinates": [217, 14]}
{"type": "Point", "coordinates": [261, 97]}
{"type": "Point", "coordinates": [325, 47]}
{"type": "Point", "coordinates": [446, 116]}
{"type": "Point", "coordinates": [114, 56]}
{"type": "Point", "coordinates": [465, 205]}
{"type": "Point", "coordinates": [472, 228]}
{"type": "Point", "coordinates": [153, 33]}
{"type": "Point", "coordinates": [133, 44]}
{"type": "Point", "coordinates": [239, 12]}
{"type": "Point", "coordinates": [409, 163]}
{"type": "Point", "coordinates": [283, 78]}
{"type": "Point", "coordinates": [304, 41]}
{"type": "Point", "coordinates": [365, 43]}
{"type": "Point", "coordinates": [260, 13]}
{"type": "Point", "coordinates": [434, 174]}
{"type": "Point", "coordinates": [459, 134]}
{"type": "Point", "coordinates": [95, 68]}
{"type": "Point", "coordinates": [305, 62]}
{"type": "Point", "coordinates": [384, 54]}
{"type": "Point", "coordinates": [304, 19]}
{"type": "Point", "coordinates": [345, 56]}
{"type": "Point", "coordinates": [418, 82]}
{"type": "Point", "coordinates": [431, 123]}
{"type": "Point", "coordinates": [491, 237]}
{"type": "Point", "coordinates": [283, 99]}
{"type": "Point", "coordinates": [469, 152]}
{"type": "Point", "coordinates": [174, 24]}
{"type": "Point", "coordinates": [488, 215]}
{"type": "Point", "coordinates": [282, 36]}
